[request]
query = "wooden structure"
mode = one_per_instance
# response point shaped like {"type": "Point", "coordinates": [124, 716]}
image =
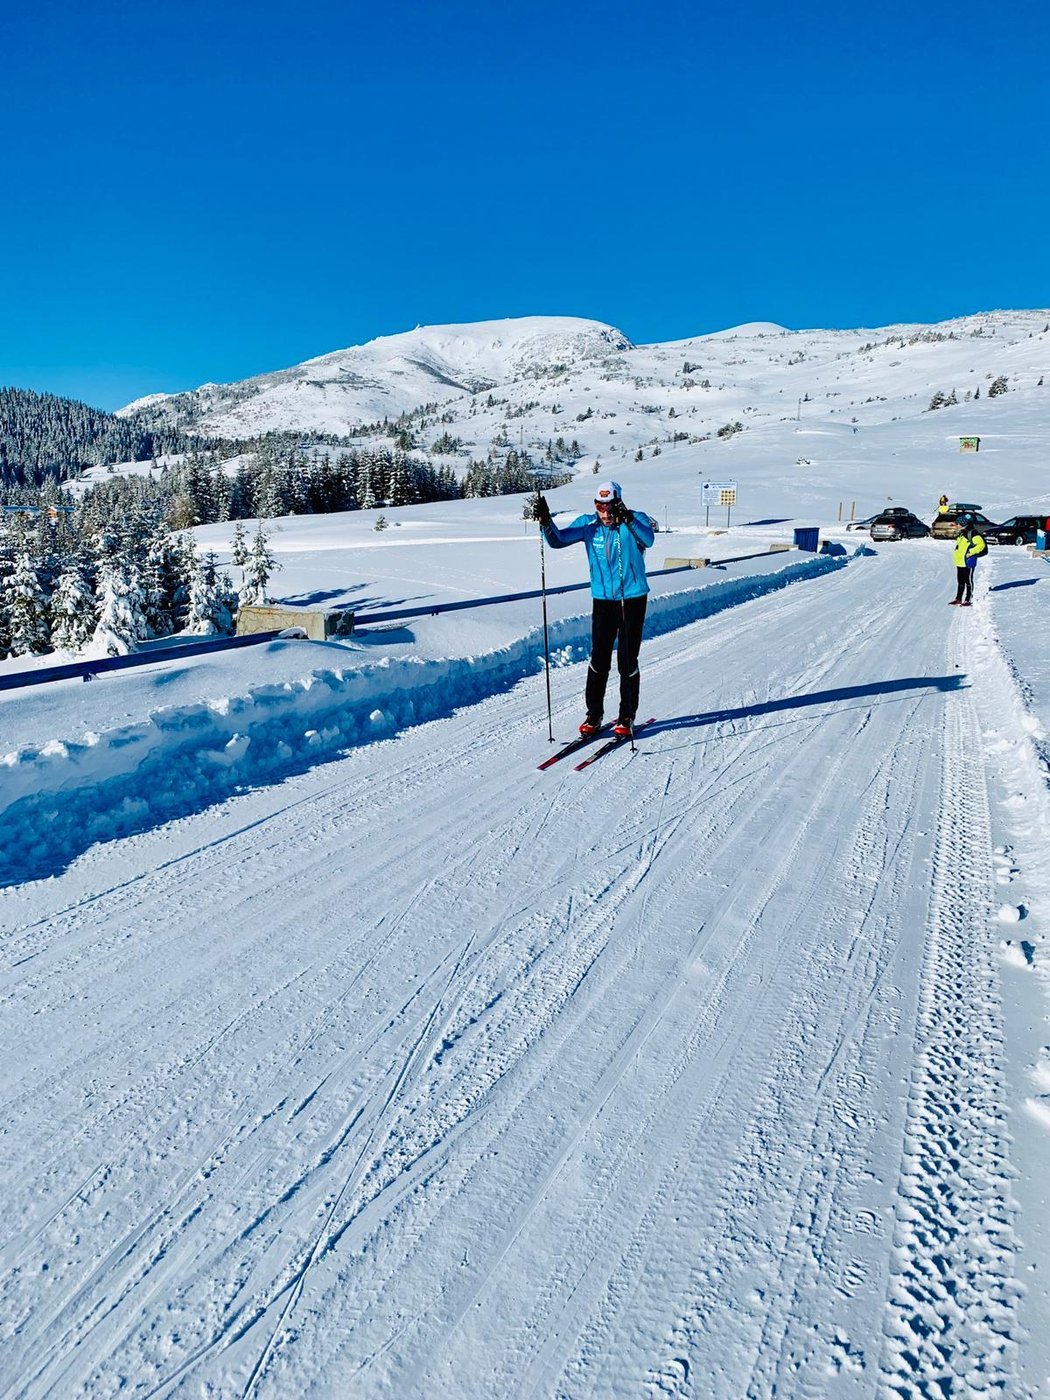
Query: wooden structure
{"type": "Point", "coordinates": [319, 624]}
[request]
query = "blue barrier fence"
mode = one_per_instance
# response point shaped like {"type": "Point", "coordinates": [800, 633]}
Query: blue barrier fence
{"type": "Point", "coordinates": [88, 670]}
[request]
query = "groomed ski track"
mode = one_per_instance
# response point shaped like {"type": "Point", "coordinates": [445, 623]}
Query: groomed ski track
{"type": "Point", "coordinates": [677, 1077]}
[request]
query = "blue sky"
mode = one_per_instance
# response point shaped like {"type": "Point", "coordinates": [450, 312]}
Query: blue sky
{"type": "Point", "coordinates": [205, 191]}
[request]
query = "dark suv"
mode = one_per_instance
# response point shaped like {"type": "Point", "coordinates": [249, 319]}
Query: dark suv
{"type": "Point", "coordinates": [1019, 529]}
{"type": "Point", "coordinates": [900, 525]}
{"type": "Point", "coordinates": [946, 526]}
{"type": "Point", "coordinates": [879, 515]}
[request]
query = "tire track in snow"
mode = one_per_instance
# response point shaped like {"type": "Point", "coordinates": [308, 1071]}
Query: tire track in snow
{"type": "Point", "coordinates": [951, 1301]}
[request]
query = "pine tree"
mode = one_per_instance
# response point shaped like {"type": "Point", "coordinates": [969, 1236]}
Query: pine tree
{"type": "Point", "coordinates": [29, 632]}
{"type": "Point", "coordinates": [239, 549]}
{"type": "Point", "coordinates": [269, 498]}
{"type": "Point", "coordinates": [221, 494]}
{"type": "Point", "coordinates": [5, 612]}
{"type": "Point", "coordinates": [366, 494]}
{"type": "Point", "coordinates": [160, 579]}
{"type": "Point", "coordinates": [260, 564]}
{"type": "Point", "coordinates": [212, 600]}
{"type": "Point", "coordinates": [120, 622]}
{"type": "Point", "coordinates": [73, 615]}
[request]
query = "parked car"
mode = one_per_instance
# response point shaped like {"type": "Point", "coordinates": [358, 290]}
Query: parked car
{"type": "Point", "coordinates": [871, 519]}
{"type": "Point", "coordinates": [946, 526]}
{"type": "Point", "coordinates": [904, 526]}
{"type": "Point", "coordinates": [1019, 529]}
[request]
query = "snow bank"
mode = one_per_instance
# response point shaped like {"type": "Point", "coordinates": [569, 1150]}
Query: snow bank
{"type": "Point", "coordinates": [59, 798]}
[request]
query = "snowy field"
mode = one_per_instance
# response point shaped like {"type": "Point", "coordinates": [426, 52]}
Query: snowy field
{"type": "Point", "coordinates": [346, 1053]}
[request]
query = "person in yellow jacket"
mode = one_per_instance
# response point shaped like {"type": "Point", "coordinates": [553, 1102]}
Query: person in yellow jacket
{"type": "Point", "coordinates": [969, 546]}
{"type": "Point", "coordinates": [942, 506]}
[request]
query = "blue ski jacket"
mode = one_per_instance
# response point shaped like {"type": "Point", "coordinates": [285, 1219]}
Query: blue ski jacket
{"type": "Point", "coordinates": [615, 554]}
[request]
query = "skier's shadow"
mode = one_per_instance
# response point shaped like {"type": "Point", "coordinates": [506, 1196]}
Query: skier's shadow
{"type": "Point", "coordinates": [842, 696]}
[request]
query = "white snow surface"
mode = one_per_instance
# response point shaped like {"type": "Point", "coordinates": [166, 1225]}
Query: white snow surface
{"type": "Point", "coordinates": [347, 1053]}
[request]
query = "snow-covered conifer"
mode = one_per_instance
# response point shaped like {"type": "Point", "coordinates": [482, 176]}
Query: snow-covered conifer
{"type": "Point", "coordinates": [160, 582]}
{"type": "Point", "coordinates": [29, 632]}
{"type": "Point", "coordinates": [239, 548]}
{"type": "Point", "coordinates": [120, 625]}
{"type": "Point", "coordinates": [220, 494]}
{"type": "Point", "coordinates": [212, 600]}
{"type": "Point", "coordinates": [73, 614]}
{"type": "Point", "coordinates": [259, 566]}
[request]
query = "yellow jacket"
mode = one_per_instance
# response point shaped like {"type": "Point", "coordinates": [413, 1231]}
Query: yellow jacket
{"type": "Point", "coordinates": [967, 550]}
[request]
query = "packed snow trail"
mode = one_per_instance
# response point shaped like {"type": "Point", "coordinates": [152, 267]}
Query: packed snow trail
{"type": "Point", "coordinates": [427, 1073]}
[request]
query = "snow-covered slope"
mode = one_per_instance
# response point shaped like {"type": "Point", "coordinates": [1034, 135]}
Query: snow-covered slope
{"type": "Point", "coordinates": [389, 376]}
{"type": "Point", "coordinates": [718, 404]}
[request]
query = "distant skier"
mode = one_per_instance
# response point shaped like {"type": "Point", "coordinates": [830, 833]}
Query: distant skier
{"type": "Point", "coordinates": [616, 540]}
{"type": "Point", "coordinates": [969, 546]}
{"type": "Point", "coordinates": [942, 506]}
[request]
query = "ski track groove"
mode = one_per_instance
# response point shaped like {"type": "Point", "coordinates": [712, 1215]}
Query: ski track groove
{"type": "Point", "coordinates": [648, 862]}
{"type": "Point", "coordinates": [704, 1161]}
{"type": "Point", "coordinates": [751, 737]}
{"type": "Point", "coordinates": [488, 1018]}
{"type": "Point", "coordinates": [548, 811]}
{"type": "Point", "coordinates": [472, 857]}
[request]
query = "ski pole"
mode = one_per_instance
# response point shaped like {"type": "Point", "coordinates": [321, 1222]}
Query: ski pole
{"type": "Point", "coordinates": [546, 637]}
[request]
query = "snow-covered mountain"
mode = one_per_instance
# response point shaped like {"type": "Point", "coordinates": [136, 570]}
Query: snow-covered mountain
{"type": "Point", "coordinates": [389, 376]}
{"type": "Point", "coordinates": [532, 381]}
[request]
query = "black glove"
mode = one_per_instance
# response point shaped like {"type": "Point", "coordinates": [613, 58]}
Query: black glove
{"type": "Point", "coordinates": [541, 510]}
{"type": "Point", "coordinates": [620, 514]}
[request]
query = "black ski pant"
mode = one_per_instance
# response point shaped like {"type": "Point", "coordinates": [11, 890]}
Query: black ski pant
{"type": "Point", "coordinates": [964, 580]}
{"type": "Point", "coordinates": [618, 621]}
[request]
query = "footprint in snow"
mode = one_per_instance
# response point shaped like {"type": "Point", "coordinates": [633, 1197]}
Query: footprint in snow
{"type": "Point", "coordinates": [1020, 954]}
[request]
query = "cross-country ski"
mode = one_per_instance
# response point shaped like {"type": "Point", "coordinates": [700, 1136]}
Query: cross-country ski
{"type": "Point", "coordinates": [574, 746]}
{"type": "Point", "coordinates": [615, 743]}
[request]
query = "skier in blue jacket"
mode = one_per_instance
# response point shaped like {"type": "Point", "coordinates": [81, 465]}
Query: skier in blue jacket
{"type": "Point", "coordinates": [616, 540]}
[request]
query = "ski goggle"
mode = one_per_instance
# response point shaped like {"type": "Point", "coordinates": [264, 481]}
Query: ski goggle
{"type": "Point", "coordinates": [605, 503]}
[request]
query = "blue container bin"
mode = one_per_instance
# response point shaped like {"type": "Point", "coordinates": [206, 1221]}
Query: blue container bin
{"type": "Point", "coordinates": [808, 539]}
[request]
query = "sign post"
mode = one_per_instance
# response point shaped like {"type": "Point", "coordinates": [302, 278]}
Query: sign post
{"type": "Point", "coordinates": [724, 493]}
